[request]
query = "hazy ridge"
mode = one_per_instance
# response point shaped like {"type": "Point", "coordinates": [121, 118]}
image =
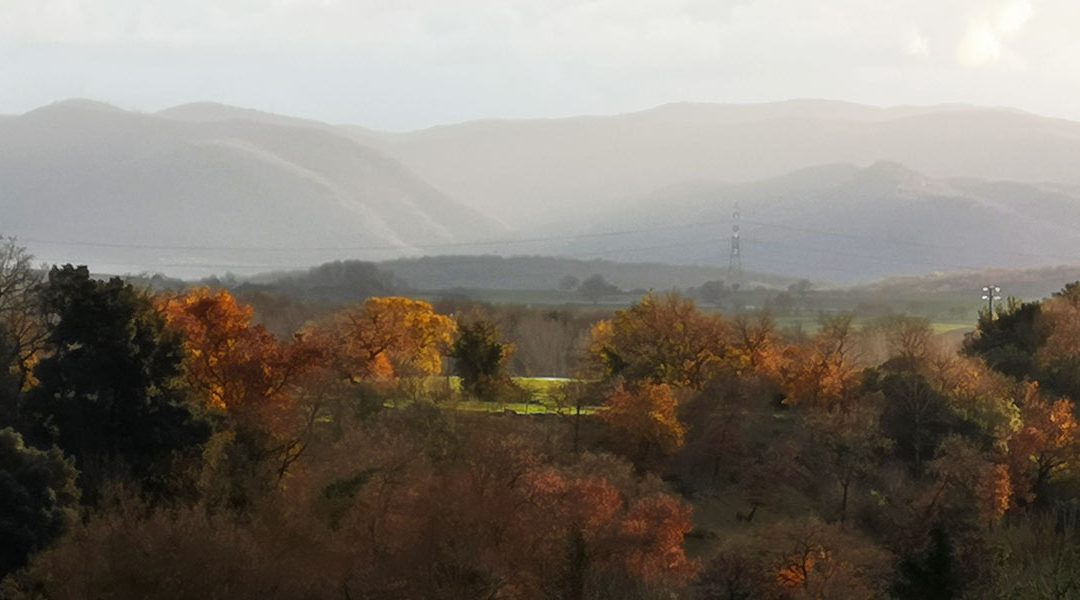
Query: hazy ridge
{"type": "Point", "coordinates": [829, 190]}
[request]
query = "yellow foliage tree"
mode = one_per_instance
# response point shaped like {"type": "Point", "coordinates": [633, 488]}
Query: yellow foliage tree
{"type": "Point", "coordinates": [661, 339]}
{"type": "Point", "coordinates": [824, 373]}
{"type": "Point", "coordinates": [390, 337]}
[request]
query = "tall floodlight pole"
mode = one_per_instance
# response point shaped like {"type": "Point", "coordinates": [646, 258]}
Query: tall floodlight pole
{"type": "Point", "coordinates": [991, 293]}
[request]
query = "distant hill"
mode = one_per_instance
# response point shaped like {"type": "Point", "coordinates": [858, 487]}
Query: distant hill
{"type": "Point", "coordinates": [844, 224]}
{"type": "Point", "coordinates": [1026, 284]}
{"type": "Point", "coordinates": [829, 191]}
{"type": "Point", "coordinates": [546, 272]}
{"type": "Point", "coordinates": [190, 195]}
{"type": "Point", "coordinates": [531, 171]}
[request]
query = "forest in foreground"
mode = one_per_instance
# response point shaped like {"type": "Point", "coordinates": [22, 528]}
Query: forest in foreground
{"type": "Point", "coordinates": [170, 445]}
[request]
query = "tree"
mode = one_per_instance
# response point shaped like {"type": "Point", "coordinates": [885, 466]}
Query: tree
{"type": "Point", "coordinates": [239, 367]}
{"type": "Point", "coordinates": [10, 387]}
{"type": "Point", "coordinates": [979, 396]}
{"type": "Point", "coordinates": [1009, 341]}
{"type": "Point", "coordinates": [916, 416]}
{"type": "Point", "coordinates": [110, 391]}
{"type": "Point", "coordinates": [798, 559]}
{"type": "Point", "coordinates": [386, 338]}
{"type": "Point", "coordinates": [801, 290]}
{"type": "Point", "coordinates": [713, 292]}
{"type": "Point", "coordinates": [596, 288]}
{"type": "Point", "coordinates": [824, 372]}
{"type": "Point", "coordinates": [21, 321]}
{"type": "Point", "coordinates": [969, 485]}
{"type": "Point", "coordinates": [644, 421]}
{"type": "Point", "coordinates": [1046, 445]}
{"type": "Point", "coordinates": [241, 371]}
{"type": "Point", "coordinates": [38, 499]}
{"type": "Point", "coordinates": [756, 345]}
{"type": "Point", "coordinates": [1057, 360]}
{"type": "Point", "coordinates": [569, 283]}
{"type": "Point", "coordinates": [661, 339]}
{"type": "Point", "coordinates": [480, 359]}
{"type": "Point", "coordinates": [931, 575]}
{"type": "Point", "coordinates": [847, 445]}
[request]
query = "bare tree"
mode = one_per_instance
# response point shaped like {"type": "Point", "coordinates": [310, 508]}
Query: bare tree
{"type": "Point", "coordinates": [21, 318]}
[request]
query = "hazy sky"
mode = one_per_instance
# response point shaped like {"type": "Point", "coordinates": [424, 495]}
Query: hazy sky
{"type": "Point", "coordinates": [401, 64]}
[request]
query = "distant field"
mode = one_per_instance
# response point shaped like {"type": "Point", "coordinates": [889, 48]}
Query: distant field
{"type": "Point", "coordinates": [545, 396]}
{"type": "Point", "coordinates": [812, 323]}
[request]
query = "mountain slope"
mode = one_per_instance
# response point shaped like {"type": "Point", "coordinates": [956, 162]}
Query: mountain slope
{"type": "Point", "coordinates": [217, 194]}
{"type": "Point", "coordinates": [530, 171]}
{"type": "Point", "coordinates": [844, 223]}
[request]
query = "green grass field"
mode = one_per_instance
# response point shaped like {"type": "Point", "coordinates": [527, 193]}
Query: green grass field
{"type": "Point", "coordinates": [810, 324]}
{"type": "Point", "coordinates": [546, 396]}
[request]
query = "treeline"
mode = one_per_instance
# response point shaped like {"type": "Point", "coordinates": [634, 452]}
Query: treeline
{"type": "Point", "coordinates": [857, 463]}
{"type": "Point", "coordinates": [168, 445]}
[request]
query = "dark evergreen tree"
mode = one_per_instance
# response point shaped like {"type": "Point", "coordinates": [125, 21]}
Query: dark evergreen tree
{"type": "Point", "coordinates": [9, 383]}
{"type": "Point", "coordinates": [930, 575]}
{"type": "Point", "coordinates": [596, 288]}
{"type": "Point", "coordinates": [1008, 340]}
{"type": "Point", "coordinates": [480, 359]}
{"type": "Point", "coordinates": [109, 391]}
{"type": "Point", "coordinates": [38, 499]}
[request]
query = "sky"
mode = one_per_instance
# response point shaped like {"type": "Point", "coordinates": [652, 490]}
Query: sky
{"type": "Point", "coordinates": [408, 64]}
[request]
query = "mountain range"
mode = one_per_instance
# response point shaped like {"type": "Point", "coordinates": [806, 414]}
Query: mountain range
{"type": "Point", "coordinates": [827, 190]}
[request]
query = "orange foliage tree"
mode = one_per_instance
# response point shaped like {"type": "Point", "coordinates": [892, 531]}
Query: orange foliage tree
{"type": "Point", "coordinates": [644, 420]}
{"type": "Point", "coordinates": [662, 339]}
{"type": "Point", "coordinates": [390, 337]}
{"type": "Point", "coordinates": [824, 373]}
{"type": "Point", "coordinates": [243, 372]}
{"type": "Point", "coordinates": [1046, 445]}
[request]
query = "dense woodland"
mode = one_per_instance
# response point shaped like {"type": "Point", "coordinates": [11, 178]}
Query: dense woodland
{"type": "Point", "coordinates": [197, 442]}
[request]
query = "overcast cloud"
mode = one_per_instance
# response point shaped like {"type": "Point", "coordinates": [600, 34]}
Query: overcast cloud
{"type": "Point", "coordinates": [401, 64]}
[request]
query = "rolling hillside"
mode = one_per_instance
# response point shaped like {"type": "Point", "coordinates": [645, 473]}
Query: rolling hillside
{"type": "Point", "coordinates": [845, 224]}
{"type": "Point", "coordinates": [831, 191]}
{"type": "Point", "coordinates": [192, 197]}
{"type": "Point", "coordinates": [525, 171]}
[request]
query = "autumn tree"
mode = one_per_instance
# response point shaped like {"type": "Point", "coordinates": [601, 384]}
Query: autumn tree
{"type": "Point", "coordinates": [756, 345]}
{"type": "Point", "coordinates": [1057, 360]}
{"type": "Point", "coordinates": [386, 338]}
{"type": "Point", "coordinates": [824, 372]}
{"type": "Point", "coordinates": [240, 367]}
{"type": "Point", "coordinates": [1046, 446]}
{"type": "Point", "coordinates": [644, 421]}
{"type": "Point", "coordinates": [661, 339]}
{"type": "Point", "coordinates": [798, 559]}
{"type": "Point", "coordinates": [978, 396]}
{"type": "Point", "coordinates": [244, 374]}
{"type": "Point", "coordinates": [111, 388]}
